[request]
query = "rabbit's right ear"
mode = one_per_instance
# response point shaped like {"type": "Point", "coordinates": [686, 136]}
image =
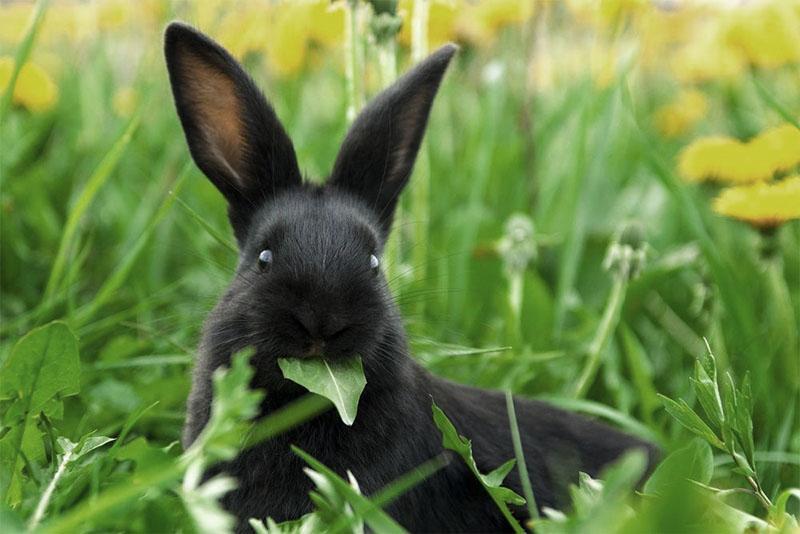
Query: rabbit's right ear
{"type": "Point", "coordinates": [233, 133]}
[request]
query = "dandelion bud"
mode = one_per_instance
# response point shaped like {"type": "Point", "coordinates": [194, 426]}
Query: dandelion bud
{"type": "Point", "coordinates": [385, 22]}
{"type": "Point", "coordinates": [517, 247]}
{"type": "Point", "coordinates": [627, 252]}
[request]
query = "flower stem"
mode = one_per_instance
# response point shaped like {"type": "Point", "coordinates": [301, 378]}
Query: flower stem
{"type": "Point", "coordinates": [48, 492]}
{"type": "Point", "coordinates": [387, 59]}
{"type": "Point", "coordinates": [420, 184]}
{"type": "Point", "coordinates": [353, 62]}
{"type": "Point", "coordinates": [516, 440]}
{"type": "Point", "coordinates": [607, 325]}
{"type": "Point", "coordinates": [516, 284]}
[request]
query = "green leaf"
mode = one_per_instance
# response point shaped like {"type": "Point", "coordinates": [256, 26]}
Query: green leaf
{"type": "Point", "coordinates": [372, 515]}
{"type": "Point", "coordinates": [234, 404]}
{"type": "Point", "coordinates": [12, 523]}
{"type": "Point", "coordinates": [707, 390]}
{"type": "Point", "coordinates": [307, 524]}
{"type": "Point", "coordinates": [86, 445]}
{"type": "Point", "coordinates": [599, 505]}
{"type": "Point", "coordinates": [43, 365]}
{"type": "Point", "coordinates": [777, 512]}
{"type": "Point", "coordinates": [259, 527]}
{"type": "Point", "coordinates": [204, 507]}
{"type": "Point", "coordinates": [692, 462]}
{"type": "Point", "coordinates": [689, 419]}
{"type": "Point", "coordinates": [341, 381]}
{"type": "Point", "coordinates": [452, 440]}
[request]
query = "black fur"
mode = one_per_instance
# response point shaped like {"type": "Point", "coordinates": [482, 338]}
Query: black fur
{"type": "Point", "coordinates": [320, 287]}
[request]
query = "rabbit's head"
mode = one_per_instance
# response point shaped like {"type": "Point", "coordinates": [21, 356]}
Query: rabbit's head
{"type": "Point", "coordinates": [309, 280]}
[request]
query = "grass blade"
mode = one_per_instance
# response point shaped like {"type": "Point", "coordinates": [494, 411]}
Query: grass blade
{"type": "Point", "coordinates": [773, 103]}
{"type": "Point", "coordinates": [123, 269]}
{"type": "Point", "coordinates": [625, 421]}
{"type": "Point", "coordinates": [23, 52]}
{"type": "Point", "coordinates": [213, 232]}
{"type": "Point", "coordinates": [99, 177]}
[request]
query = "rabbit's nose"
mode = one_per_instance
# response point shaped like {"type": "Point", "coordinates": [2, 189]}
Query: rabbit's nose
{"type": "Point", "coordinates": [319, 326]}
{"type": "Point", "coordinates": [316, 348]}
{"type": "Point", "coordinates": [309, 323]}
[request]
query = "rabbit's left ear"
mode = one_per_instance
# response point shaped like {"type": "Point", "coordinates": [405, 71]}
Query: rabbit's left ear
{"type": "Point", "coordinates": [377, 156]}
{"type": "Point", "coordinates": [233, 133]}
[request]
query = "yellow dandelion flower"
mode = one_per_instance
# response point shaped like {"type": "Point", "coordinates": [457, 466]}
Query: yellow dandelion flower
{"type": "Point", "coordinates": [284, 32]}
{"type": "Point", "coordinates": [767, 33]}
{"type": "Point", "coordinates": [677, 117]}
{"type": "Point", "coordinates": [247, 30]}
{"type": "Point", "coordinates": [442, 17]}
{"type": "Point", "coordinates": [716, 158]}
{"type": "Point", "coordinates": [726, 159]}
{"type": "Point", "coordinates": [325, 24]}
{"type": "Point", "coordinates": [763, 205]}
{"type": "Point", "coordinates": [707, 57]}
{"type": "Point", "coordinates": [290, 33]}
{"type": "Point", "coordinates": [34, 90]}
{"type": "Point", "coordinates": [779, 147]}
{"type": "Point", "coordinates": [477, 22]}
{"type": "Point", "coordinates": [13, 21]}
{"type": "Point", "coordinates": [604, 13]}
{"type": "Point", "coordinates": [481, 22]}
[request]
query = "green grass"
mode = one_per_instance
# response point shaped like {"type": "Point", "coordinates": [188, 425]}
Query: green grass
{"type": "Point", "coordinates": [107, 226]}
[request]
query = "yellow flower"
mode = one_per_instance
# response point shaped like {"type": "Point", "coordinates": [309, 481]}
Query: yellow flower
{"type": "Point", "coordinates": [767, 33]}
{"type": "Point", "coordinates": [13, 21]}
{"type": "Point", "coordinates": [285, 31]}
{"type": "Point", "coordinates": [729, 160]}
{"type": "Point", "coordinates": [763, 205]}
{"type": "Point", "coordinates": [34, 89]}
{"type": "Point", "coordinates": [707, 57]}
{"type": "Point", "coordinates": [477, 22]}
{"type": "Point", "coordinates": [442, 16]}
{"type": "Point", "coordinates": [480, 22]}
{"type": "Point", "coordinates": [681, 114]}
{"type": "Point", "coordinates": [604, 13]}
{"type": "Point", "coordinates": [778, 147]}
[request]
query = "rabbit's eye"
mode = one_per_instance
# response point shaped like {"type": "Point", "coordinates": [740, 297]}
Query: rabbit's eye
{"type": "Point", "coordinates": [373, 262]}
{"type": "Point", "coordinates": [265, 259]}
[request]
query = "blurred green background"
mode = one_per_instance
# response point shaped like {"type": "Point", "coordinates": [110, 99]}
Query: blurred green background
{"type": "Point", "coordinates": [560, 125]}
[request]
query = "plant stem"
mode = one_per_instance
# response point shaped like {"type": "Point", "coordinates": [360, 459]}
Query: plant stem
{"type": "Point", "coordinates": [48, 492]}
{"type": "Point", "coordinates": [419, 30]}
{"type": "Point", "coordinates": [387, 59]}
{"type": "Point", "coordinates": [759, 493]}
{"type": "Point", "coordinates": [420, 185]}
{"type": "Point", "coordinates": [527, 489]}
{"type": "Point", "coordinates": [352, 59]}
{"type": "Point", "coordinates": [607, 325]}
{"type": "Point", "coordinates": [515, 292]}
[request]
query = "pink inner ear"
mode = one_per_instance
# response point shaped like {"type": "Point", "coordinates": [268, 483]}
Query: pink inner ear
{"type": "Point", "coordinates": [212, 97]}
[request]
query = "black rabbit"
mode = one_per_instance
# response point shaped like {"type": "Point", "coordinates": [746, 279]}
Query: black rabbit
{"type": "Point", "coordinates": [308, 282]}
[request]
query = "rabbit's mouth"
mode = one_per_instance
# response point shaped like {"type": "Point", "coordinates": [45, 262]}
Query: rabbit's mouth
{"type": "Point", "coordinates": [316, 349]}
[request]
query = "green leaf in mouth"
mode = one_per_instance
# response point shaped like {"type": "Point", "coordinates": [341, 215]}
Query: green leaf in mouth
{"type": "Point", "coordinates": [341, 381]}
